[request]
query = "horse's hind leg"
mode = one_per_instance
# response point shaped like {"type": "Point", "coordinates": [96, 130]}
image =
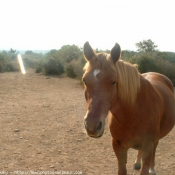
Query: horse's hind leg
{"type": "Point", "coordinates": [121, 154]}
{"type": "Point", "coordinates": [151, 169]}
{"type": "Point", "coordinates": [137, 164]}
{"type": "Point", "coordinates": [147, 152]}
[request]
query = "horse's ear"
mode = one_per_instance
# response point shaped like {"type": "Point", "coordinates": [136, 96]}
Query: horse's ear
{"type": "Point", "coordinates": [115, 52]}
{"type": "Point", "coordinates": [88, 51]}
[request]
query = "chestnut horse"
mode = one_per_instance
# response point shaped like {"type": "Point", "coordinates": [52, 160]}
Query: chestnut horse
{"type": "Point", "coordinates": [140, 107]}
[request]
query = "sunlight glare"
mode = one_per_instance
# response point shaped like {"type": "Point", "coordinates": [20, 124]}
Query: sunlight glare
{"type": "Point", "coordinates": [21, 64]}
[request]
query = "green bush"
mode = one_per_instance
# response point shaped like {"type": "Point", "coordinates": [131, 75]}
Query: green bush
{"type": "Point", "coordinates": [167, 68]}
{"type": "Point", "coordinates": [8, 62]}
{"type": "Point", "coordinates": [53, 66]}
{"type": "Point", "coordinates": [74, 69]}
{"type": "Point", "coordinates": [29, 62]}
{"type": "Point", "coordinates": [39, 67]}
{"type": "Point", "coordinates": [3, 62]}
{"type": "Point", "coordinates": [155, 62]}
{"type": "Point", "coordinates": [146, 64]}
{"type": "Point", "coordinates": [1, 67]}
{"type": "Point", "coordinates": [7, 65]}
{"type": "Point", "coordinates": [12, 66]}
{"type": "Point", "coordinates": [70, 71]}
{"type": "Point", "coordinates": [78, 67]}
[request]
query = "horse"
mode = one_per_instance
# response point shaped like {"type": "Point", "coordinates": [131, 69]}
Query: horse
{"type": "Point", "coordinates": [140, 107]}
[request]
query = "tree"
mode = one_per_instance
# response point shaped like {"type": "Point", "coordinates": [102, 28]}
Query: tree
{"type": "Point", "coordinates": [12, 51]}
{"type": "Point", "coordinates": [29, 52]}
{"type": "Point", "coordinates": [146, 46]}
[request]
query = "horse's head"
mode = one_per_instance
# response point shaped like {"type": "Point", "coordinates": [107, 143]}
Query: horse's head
{"type": "Point", "coordinates": [100, 80]}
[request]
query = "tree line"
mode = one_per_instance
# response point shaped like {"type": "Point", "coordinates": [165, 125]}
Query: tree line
{"type": "Point", "coordinates": [70, 60]}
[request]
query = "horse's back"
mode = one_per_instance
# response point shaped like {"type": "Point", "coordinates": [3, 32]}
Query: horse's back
{"type": "Point", "coordinates": [165, 89]}
{"type": "Point", "coordinates": [157, 79]}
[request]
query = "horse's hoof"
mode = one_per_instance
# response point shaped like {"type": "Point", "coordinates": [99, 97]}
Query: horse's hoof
{"type": "Point", "coordinates": [137, 166]}
{"type": "Point", "coordinates": [152, 172]}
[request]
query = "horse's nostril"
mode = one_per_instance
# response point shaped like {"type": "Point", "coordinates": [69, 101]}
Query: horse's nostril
{"type": "Point", "coordinates": [99, 126]}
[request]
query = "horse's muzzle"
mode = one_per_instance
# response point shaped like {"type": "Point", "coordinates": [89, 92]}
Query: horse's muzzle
{"type": "Point", "coordinates": [94, 130]}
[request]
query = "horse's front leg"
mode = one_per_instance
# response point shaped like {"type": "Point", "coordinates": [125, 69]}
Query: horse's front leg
{"type": "Point", "coordinates": [137, 164]}
{"type": "Point", "coordinates": [121, 154]}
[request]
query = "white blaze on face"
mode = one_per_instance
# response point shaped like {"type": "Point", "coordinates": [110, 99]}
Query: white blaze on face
{"type": "Point", "coordinates": [96, 72]}
{"type": "Point", "coordinates": [21, 64]}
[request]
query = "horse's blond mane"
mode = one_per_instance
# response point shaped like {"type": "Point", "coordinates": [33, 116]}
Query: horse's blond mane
{"type": "Point", "coordinates": [128, 81]}
{"type": "Point", "coordinates": [128, 77]}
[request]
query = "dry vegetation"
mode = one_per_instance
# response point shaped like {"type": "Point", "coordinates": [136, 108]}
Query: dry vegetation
{"type": "Point", "coordinates": [41, 121]}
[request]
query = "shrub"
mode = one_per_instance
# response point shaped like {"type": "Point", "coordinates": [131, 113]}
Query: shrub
{"type": "Point", "coordinates": [70, 70]}
{"type": "Point", "coordinates": [1, 67]}
{"type": "Point", "coordinates": [29, 62]}
{"type": "Point", "coordinates": [3, 62]}
{"type": "Point", "coordinates": [166, 68]}
{"type": "Point", "coordinates": [8, 62]}
{"type": "Point", "coordinates": [53, 66]}
{"type": "Point", "coordinates": [78, 67]}
{"type": "Point", "coordinates": [74, 69]}
{"type": "Point", "coordinates": [7, 65]}
{"type": "Point", "coordinates": [12, 66]}
{"type": "Point", "coordinates": [146, 64]}
{"type": "Point", "coordinates": [39, 67]}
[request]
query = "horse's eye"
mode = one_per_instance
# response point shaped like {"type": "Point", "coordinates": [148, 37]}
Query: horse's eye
{"type": "Point", "coordinates": [113, 83]}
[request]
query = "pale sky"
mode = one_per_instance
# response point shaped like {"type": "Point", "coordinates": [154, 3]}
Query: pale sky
{"type": "Point", "coordinates": [50, 24]}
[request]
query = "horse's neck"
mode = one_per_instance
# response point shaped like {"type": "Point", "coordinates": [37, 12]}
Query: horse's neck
{"type": "Point", "coordinates": [119, 108]}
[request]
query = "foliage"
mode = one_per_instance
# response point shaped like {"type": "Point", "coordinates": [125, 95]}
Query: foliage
{"type": "Point", "coordinates": [154, 62]}
{"type": "Point", "coordinates": [147, 64]}
{"type": "Point", "coordinates": [29, 52]}
{"type": "Point", "coordinates": [127, 55]}
{"type": "Point", "coordinates": [8, 61]}
{"type": "Point", "coordinates": [74, 69]}
{"type": "Point", "coordinates": [146, 46]}
{"type": "Point", "coordinates": [31, 59]}
{"type": "Point", "coordinates": [70, 60]}
{"type": "Point", "coordinates": [71, 57]}
{"type": "Point", "coordinates": [167, 68]}
{"type": "Point", "coordinates": [52, 67]}
{"type": "Point", "coordinates": [12, 51]}
{"type": "Point", "coordinates": [28, 62]}
{"type": "Point", "coordinates": [78, 67]}
{"type": "Point", "coordinates": [70, 71]}
{"type": "Point", "coordinates": [39, 67]}
{"type": "Point", "coordinates": [68, 53]}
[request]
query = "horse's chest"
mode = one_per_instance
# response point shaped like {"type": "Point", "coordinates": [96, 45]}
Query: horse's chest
{"type": "Point", "coordinates": [127, 135]}
{"type": "Point", "coordinates": [129, 140]}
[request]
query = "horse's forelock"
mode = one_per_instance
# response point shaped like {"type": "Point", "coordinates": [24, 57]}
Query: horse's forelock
{"type": "Point", "coordinates": [102, 61]}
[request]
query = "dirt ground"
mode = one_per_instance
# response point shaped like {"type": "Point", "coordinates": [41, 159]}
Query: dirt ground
{"type": "Point", "coordinates": [41, 121]}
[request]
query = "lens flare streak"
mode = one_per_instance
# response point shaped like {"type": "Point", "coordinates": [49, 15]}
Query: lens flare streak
{"type": "Point", "coordinates": [21, 64]}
